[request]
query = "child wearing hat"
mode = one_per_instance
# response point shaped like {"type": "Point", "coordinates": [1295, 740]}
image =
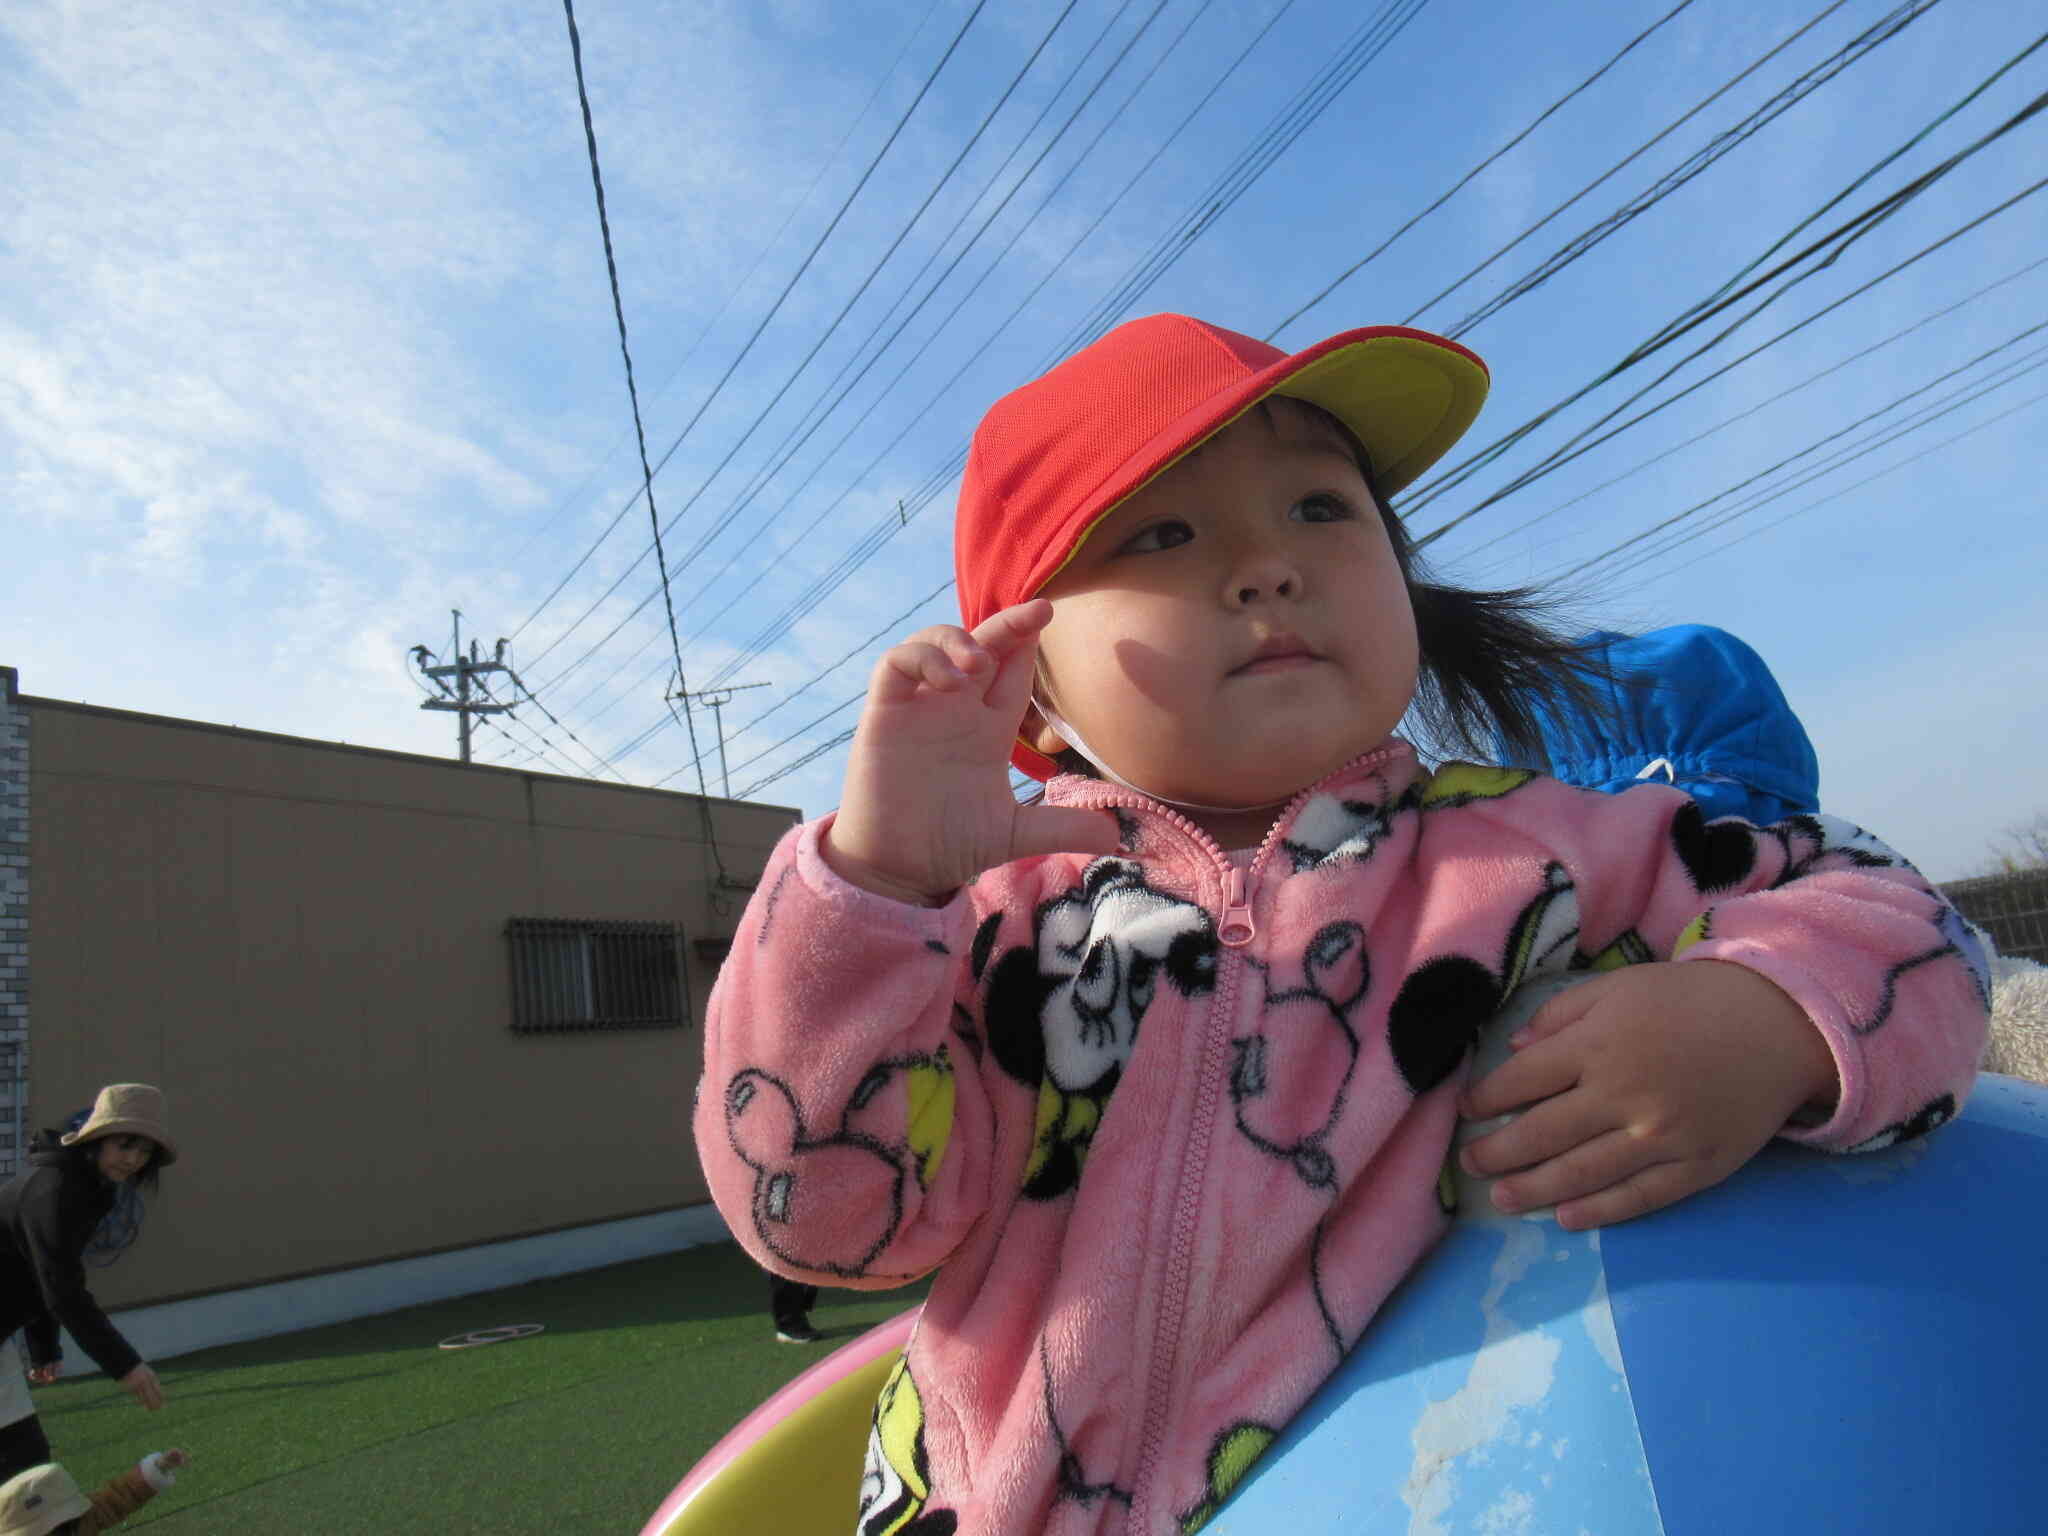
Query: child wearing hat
{"type": "Point", "coordinates": [1161, 1072]}
{"type": "Point", "coordinates": [45, 1501]}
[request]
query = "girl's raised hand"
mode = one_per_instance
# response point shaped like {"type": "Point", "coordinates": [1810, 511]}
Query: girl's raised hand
{"type": "Point", "coordinates": [927, 804]}
{"type": "Point", "coordinates": [1643, 1087]}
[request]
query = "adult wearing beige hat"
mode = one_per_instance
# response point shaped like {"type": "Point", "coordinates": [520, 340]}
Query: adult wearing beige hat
{"type": "Point", "coordinates": [51, 1215]}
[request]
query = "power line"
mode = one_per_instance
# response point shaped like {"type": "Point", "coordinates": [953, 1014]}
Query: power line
{"type": "Point", "coordinates": [1954, 401]}
{"type": "Point", "coordinates": [632, 392]}
{"type": "Point", "coordinates": [1857, 49]}
{"type": "Point", "coordinates": [732, 293]}
{"type": "Point", "coordinates": [1834, 495]}
{"type": "Point", "coordinates": [1365, 45]}
{"type": "Point", "coordinates": [1743, 415]}
{"type": "Point", "coordinates": [1534, 123]}
{"type": "Point", "coordinates": [773, 310]}
{"type": "Point", "coordinates": [1816, 257]}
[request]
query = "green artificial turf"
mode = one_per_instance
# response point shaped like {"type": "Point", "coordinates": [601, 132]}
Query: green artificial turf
{"type": "Point", "coordinates": [369, 1427]}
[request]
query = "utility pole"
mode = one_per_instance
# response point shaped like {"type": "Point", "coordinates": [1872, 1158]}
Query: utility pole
{"type": "Point", "coordinates": [718, 698]}
{"type": "Point", "coordinates": [462, 670]}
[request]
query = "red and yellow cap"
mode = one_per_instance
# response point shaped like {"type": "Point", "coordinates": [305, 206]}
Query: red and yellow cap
{"type": "Point", "coordinates": [1052, 459]}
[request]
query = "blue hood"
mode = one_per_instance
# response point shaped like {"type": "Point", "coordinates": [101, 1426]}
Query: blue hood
{"type": "Point", "coordinates": [1699, 700]}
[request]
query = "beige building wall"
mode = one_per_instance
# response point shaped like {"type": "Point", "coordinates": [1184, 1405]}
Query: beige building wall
{"type": "Point", "coordinates": [303, 944]}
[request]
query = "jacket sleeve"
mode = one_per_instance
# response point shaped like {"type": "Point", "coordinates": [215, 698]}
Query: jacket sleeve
{"type": "Point", "coordinates": [1885, 969]}
{"type": "Point", "coordinates": [54, 1230]}
{"type": "Point", "coordinates": [114, 1501]}
{"type": "Point", "coordinates": [44, 1345]}
{"type": "Point", "coordinates": [846, 1129]}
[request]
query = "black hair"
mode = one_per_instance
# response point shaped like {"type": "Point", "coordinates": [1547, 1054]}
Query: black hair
{"type": "Point", "coordinates": [122, 1224]}
{"type": "Point", "coordinates": [1491, 661]}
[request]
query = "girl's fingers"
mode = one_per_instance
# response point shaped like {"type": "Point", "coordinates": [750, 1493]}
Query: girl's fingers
{"type": "Point", "coordinates": [1586, 1171]}
{"type": "Point", "coordinates": [1566, 1008]}
{"type": "Point", "coordinates": [1008, 628]}
{"type": "Point", "coordinates": [946, 658]}
{"type": "Point", "coordinates": [1061, 829]}
{"type": "Point", "coordinates": [1649, 1189]}
{"type": "Point", "coordinates": [915, 664]}
{"type": "Point", "coordinates": [1523, 1078]}
{"type": "Point", "coordinates": [1551, 1129]}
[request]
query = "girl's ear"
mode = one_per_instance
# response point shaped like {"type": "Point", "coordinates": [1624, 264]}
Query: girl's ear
{"type": "Point", "coordinates": [1039, 734]}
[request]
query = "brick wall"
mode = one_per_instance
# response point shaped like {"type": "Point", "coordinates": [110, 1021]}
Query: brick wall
{"type": "Point", "coordinates": [14, 740]}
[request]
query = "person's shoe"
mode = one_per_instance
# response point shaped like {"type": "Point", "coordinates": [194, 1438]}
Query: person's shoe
{"type": "Point", "coordinates": [797, 1331]}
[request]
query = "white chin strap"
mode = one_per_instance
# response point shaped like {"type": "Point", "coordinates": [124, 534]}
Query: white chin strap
{"type": "Point", "coordinates": [1075, 740]}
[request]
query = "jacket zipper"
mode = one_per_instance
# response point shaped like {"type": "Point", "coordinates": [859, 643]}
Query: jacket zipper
{"type": "Point", "coordinates": [1235, 930]}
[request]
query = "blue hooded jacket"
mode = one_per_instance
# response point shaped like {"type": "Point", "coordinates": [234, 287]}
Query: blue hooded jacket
{"type": "Point", "coordinates": [1695, 707]}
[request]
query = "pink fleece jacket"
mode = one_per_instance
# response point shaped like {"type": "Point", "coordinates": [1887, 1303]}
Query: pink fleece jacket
{"type": "Point", "coordinates": [1171, 1129]}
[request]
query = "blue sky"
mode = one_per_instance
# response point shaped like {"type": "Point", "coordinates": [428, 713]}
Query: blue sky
{"type": "Point", "coordinates": [307, 339]}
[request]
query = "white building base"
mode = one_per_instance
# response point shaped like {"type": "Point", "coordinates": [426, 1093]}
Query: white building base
{"type": "Point", "coordinates": [178, 1327]}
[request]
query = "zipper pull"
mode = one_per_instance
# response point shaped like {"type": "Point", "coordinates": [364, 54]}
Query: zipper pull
{"type": "Point", "coordinates": [1238, 928]}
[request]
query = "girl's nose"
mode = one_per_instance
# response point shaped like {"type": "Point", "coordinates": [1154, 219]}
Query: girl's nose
{"type": "Point", "coordinates": [1263, 576]}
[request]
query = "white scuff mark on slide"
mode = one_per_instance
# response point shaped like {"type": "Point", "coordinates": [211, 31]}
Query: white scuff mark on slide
{"type": "Point", "coordinates": [1512, 1370]}
{"type": "Point", "coordinates": [1599, 1318]}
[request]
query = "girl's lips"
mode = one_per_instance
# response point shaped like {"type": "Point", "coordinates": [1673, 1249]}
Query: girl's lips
{"type": "Point", "coordinates": [1279, 661]}
{"type": "Point", "coordinates": [1278, 654]}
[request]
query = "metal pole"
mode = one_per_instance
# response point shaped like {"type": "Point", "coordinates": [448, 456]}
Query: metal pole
{"type": "Point", "coordinates": [718, 724]}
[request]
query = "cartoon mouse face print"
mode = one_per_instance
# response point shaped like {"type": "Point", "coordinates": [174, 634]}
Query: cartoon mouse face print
{"type": "Point", "coordinates": [1108, 945]}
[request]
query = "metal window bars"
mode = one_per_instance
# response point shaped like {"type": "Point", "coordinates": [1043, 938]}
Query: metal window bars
{"type": "Point", "coordinates": [574, 974]}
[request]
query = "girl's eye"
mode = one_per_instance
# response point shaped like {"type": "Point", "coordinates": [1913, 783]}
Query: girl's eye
{"type": "Point", "coordinates": [1323, 508]}
{"type": "Point", "coordinates": [1161, 535]}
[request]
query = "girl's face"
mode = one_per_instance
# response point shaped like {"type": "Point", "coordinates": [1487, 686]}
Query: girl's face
{"type": "Point", "coordinates": [1238, 628]}
{"type": "Point", "coordinates": [121, 1157]}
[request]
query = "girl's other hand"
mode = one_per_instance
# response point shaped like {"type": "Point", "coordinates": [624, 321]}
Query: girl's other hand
{"type": "Point", "coordinates": [927, 803]}
{"type": "Point", "coordinates": [43, 1375]}
{"type": "Point", "coordinates": [172, 1460]}
{"type": "Point", "coordinates": [1644, 1087]}
{"type": "Point", "coordinates": [142, 1385]}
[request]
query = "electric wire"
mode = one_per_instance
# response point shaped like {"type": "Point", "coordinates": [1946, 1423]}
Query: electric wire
{"type": "Point", "coordinates": [1466, 180]}
{"type": "Point", "coordinates": [1578, 446]}
{"type": "Point", "coordinates": [632, 391]}
{"type": "Point", "coordinates": [1842, 491]}
{"type": "Point", "coordinates": [1692, 166]}
{"type": "Point", "coordinates": [1363, 46]}
{"type": "Point", "coordinates": [772, 311]}
{"type": "Point", "coordinates": [1945, 405]}
{"type": "Point", "coordinates": [1471, 552]}
{"type": "Point", "coordinates": [689, 352]}
{"type": "Point", "coordinates": [1817, 256]}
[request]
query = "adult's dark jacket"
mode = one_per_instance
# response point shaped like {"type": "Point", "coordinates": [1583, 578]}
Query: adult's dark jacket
{"type": "Point", "coordinates": [47, 1216]}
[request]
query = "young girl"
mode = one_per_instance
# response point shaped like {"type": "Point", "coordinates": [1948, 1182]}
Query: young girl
{"type": "Point", "coordinates": [1162, 1071]}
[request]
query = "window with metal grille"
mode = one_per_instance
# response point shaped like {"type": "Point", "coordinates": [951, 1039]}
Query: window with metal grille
{"type": "Point", "coordinates": [569, 974]}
